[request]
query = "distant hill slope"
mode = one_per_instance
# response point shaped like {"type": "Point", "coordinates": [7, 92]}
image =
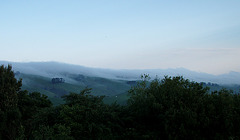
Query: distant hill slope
{"type": "Point", "coordinates": [114, 84]}
{"type": "Point", "coordinates": [55, 69]}
{"type": "Point", "coordinates": [100, 86]}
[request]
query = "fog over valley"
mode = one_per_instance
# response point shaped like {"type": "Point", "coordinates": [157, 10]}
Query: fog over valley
{"type": "Point", "coordinates": [56, 69]}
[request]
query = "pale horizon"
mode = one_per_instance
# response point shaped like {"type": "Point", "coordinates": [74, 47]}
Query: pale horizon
{"type": "Point", "coordinates": [114, 69]}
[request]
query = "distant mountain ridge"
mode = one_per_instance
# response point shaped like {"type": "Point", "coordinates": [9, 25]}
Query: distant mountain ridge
{"type": "Point", "coordinates": [56, 69]}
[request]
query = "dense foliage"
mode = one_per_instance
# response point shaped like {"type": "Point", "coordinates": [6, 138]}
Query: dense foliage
{"type": "Point", "coordinates": [171, 108]}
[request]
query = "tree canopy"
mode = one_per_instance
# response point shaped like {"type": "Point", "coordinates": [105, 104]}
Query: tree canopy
{"type": "Point", "coordinates": [168, 108]}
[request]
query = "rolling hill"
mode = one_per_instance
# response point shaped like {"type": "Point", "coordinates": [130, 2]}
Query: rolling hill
{"type": "Point", "coordinates": [114, 84]}
{"type": "Point", "coordinates": [100, 86]}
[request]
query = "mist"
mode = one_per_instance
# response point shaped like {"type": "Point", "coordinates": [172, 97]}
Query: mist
{"type": "Point", "coordinates": [56, 69]}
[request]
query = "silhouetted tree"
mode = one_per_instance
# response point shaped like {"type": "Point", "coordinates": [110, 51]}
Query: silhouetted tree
{"type": "Point", "coordinates": [9, 113]}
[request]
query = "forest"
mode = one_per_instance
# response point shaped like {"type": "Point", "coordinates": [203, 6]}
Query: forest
{"type": "Point", "coordinates": [170, 108]}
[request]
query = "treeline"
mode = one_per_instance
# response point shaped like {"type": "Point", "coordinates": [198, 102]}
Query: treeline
{"type": "Point", "coordinates": [171, 108]}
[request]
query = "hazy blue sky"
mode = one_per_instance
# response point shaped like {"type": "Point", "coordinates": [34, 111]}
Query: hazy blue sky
{"type": "Point", "coordinates": [200, 35]}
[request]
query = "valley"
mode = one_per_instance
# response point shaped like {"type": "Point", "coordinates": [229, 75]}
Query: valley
{"type": "Point", "coordinates": [113, 84]}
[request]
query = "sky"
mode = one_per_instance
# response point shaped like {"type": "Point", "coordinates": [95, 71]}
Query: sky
{"type": "Point", "coordinates": [199, 35]}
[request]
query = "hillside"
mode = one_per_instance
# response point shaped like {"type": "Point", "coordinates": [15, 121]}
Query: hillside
{"type": "Point", "coordinates": [55, 69]}
{"type": "Point", "coordinates": [100, 86]}
{"type": "Point", "coordinates": [114, 84]}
